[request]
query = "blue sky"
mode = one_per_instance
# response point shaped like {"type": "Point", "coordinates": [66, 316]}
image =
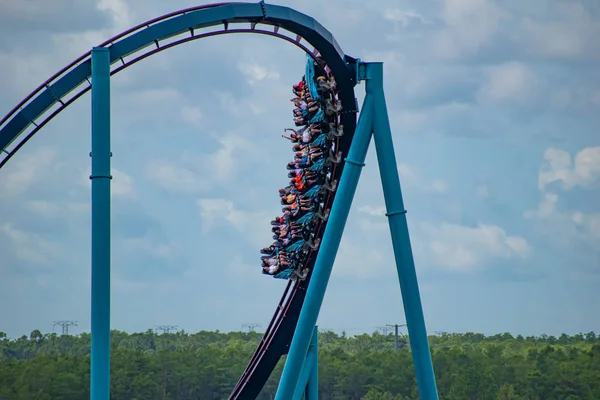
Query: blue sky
{"type": "Point", "coordinates": [495, 109]}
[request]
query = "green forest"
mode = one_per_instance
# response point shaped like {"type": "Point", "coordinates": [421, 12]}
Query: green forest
{"type": "Point", "coordinates": [206, 365]}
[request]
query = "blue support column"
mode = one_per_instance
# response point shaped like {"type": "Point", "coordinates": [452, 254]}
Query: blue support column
{"type": "Point", "coordinates": [329, 247]}
{"type": "Point", "coordinates": [308, 384]}
{"type": "Point", "coordinates": [304, 376]}
{"type": "Point", "coordinates": [401, 242]}
{"type": "Point", "coordinates": [100, 368]}
{"type": "Point", "coordinates": [312, 388]}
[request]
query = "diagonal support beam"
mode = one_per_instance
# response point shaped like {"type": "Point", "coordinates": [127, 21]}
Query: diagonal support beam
{"type": "Point", "coordinates": [304, 376]}
{"type": "Point", "coordinates": [312, 387]}
{"type": "Point", "coordinates": [405, 263]}
{"type": "Point", "coordinates": [308, 384]}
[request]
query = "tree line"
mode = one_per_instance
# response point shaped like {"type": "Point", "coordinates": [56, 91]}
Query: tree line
{"type": "Point", "coordinates": [206, 365]}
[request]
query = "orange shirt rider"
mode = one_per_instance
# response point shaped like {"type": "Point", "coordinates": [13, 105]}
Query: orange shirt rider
{"type": "Point", "coordinates": [299, 183]}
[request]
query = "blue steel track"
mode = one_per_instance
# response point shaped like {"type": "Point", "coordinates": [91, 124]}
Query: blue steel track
{"type": "Point", "coordinates": [167, 31]}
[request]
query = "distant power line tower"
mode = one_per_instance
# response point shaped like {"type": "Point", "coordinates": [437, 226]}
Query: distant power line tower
{"type": "Point", "coordinates": [251, 327]}
{"type": "Point", "coordinates": [395, 326]}
{"type": "Point", "coordinates": [64, 325]}
{"type": "Point", "coordinates": [166, 328]}
{"type": "Point", "coordinates": [383, 330]}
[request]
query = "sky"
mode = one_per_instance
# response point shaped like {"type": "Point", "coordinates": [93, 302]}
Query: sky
{"type": "Point", "coordinates": [495, 113]}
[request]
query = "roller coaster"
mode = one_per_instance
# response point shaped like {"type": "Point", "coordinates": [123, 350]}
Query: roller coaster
{"type": "Point", "coordinates": [292, 330]}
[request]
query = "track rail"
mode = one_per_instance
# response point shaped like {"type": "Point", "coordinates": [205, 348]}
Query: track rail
{"type": "Point", "coordinates": [80, 91]}
{"type": "Point", "coordinates": [153, 36]}
{"type": "Point", "coordinates": [68, 84]}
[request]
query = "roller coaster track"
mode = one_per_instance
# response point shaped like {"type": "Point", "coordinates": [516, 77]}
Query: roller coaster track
{"type": "Point", "coordinates": [156, 35]}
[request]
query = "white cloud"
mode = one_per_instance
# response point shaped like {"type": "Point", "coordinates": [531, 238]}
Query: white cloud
{"type": "Point", "coordinates": [212, 210]}
{"type": "Point", "coordinates": [119, 12]}
{"type": "Point", "coordinates": [191, 115]}
{"type": "Point", "coordinates": [79, 207]}
{"type": "Point", "coordinates": [547, 208]}
{"type": "Point", "coordinates": [122, 184]}
{"type": "Point", "coordinates": [470, 25]}
{"type": "Point", "coordinates": [372, 210]}
{"type": "Point", "coordinates": [584, 170]}
{"type": "Point", "coordinates": [453, 246]}
{"type": "Point", "coordinates": [590, 224]}
{"type": "Point", "coordinates": [437, 117]}
{"type": "Point", "coordinates": [359, 261]}
{"type": "Point", "coordinates": [567, 226]}
{"type": "Point", "coordinates": [511, 81]}
{"type": "Point", "coordinates": [439, 186]}
{"type": "Point", "coordinates": [18, 178]}
{"type": "Point", "coordinates": [42, 208]}
{"type": "Point", "coordinates": [26, 72]}
{"type": "Point", "coordinates": [569, 30]}
{"type": "Point", "coordinates": [175, 178]}
{"type": "Point", "coordinates": [412, 178]}
{"type": "Point", "coordinates": [557, 29]}
{"type": "Point", "coordinates": [257, 73]}
{"type": "Point", "coordinates": [31, 248]}
{"type": "Point", "coordinates": [464, 248]}
{"type": "Point", "coordinates": [195, 173]}
{"type": "Point", "coordinates": [241, 108]}
{"type": "Point", "coordinates": [403, 21]}
{"type": "Point", "coordinates": [407, 173]}
{"type": "Point", "coordinates": [404, 18]}
{"type": "Point", "coordinates": [253, 224]}
{"type": "Point", "coordinates": [154, 96]}
{"type": "Point", "coordinates": [238, 268]}
{"type": "Point", "coordinates": [224, 162]}
{"type": "Point", "coordinates": [372, 225]}
{"type": "Point", "coordinates": [149, 246]}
